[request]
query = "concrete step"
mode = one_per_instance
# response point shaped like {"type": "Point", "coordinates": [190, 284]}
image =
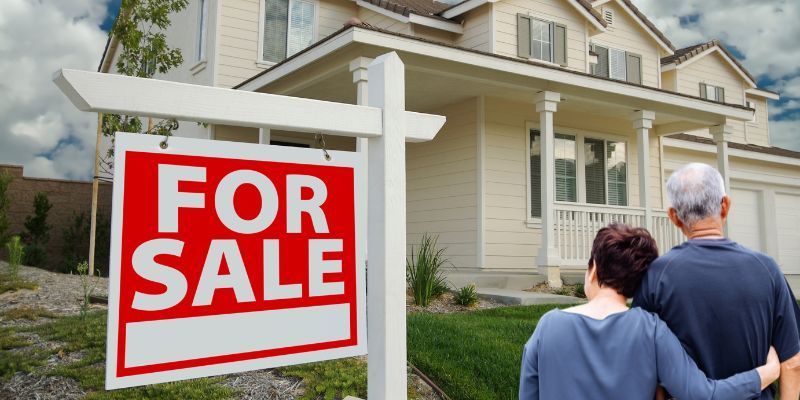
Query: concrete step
{"type": "Point", "coordinates": [521, 297]}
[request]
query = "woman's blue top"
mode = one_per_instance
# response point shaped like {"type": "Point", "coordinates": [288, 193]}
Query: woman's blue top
{"type": "Point", "coordinates": [624, 356]}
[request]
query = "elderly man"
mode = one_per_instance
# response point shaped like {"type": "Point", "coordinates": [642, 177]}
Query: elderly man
{"type": "Point", "coordinates": [727, 304]}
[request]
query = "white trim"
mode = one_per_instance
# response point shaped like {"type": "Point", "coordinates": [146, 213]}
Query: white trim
{"type": "Point", "coordinates": [215, 55]}
{"type": "Point", "coordinates": [710, 148]}
{"type": "Point", "coordinates": [436, 23]}
{"type": "Point", "coordinates": [443, 52]}
{"type": "Point", "coordinates": [465, 7]}
{"type": "Point", "coordinates": [198, 66]}
{"type": "Point", "coordinates": [646, 28]}
{"type": "Point", "coordinates": [493, 29]}
{"type": "Point", "coordinates": [763, 93]}
{"type": "Point", "coordinates": [201, 38]}
{"type": "Point", "coordinates": [382, 11]}
{"type": "Point", "coordinates": [730, 62]}
{"type": "Point", "coordinates": [529, 219]}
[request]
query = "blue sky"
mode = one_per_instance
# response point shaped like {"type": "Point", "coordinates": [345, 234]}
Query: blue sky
{"type": "Point", "coordinates": [41, 130]}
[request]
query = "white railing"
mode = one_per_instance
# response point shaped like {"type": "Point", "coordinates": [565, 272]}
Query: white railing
{"type": "Point", "coordinates": [577, 224]}
{"type": "Point", "coordinates": [667, 235]}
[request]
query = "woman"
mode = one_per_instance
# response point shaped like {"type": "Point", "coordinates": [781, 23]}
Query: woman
{"type": "Point", "coordinates": [603, 350]}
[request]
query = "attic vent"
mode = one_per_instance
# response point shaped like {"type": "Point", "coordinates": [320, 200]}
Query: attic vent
{"type": "Point", "coordinates": [608, 15]}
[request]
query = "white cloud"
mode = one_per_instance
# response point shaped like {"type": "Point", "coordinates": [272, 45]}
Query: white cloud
{"type": "Point", "coordinates": [765, 31]}
{"type": "Point", "coordinates": [36, 39]}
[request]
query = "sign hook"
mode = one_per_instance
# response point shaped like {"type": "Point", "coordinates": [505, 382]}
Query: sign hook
{"type": "Point", "coordinates": [320, 137]}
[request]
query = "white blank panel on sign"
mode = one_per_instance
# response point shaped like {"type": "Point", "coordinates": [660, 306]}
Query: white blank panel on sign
{"type": "Point", "coordinates": [162, 341]}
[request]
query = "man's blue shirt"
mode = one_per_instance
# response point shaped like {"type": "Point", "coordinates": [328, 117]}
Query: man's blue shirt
{"type": "Point", "coordinates": [725, 303]}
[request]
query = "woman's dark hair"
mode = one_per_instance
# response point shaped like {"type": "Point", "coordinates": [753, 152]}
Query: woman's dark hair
{"type": "Point", "coordinates": [622, 255]}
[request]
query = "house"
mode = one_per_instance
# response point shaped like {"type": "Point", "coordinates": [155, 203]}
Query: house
{"type": "Point", "coordinates": [562, 116]}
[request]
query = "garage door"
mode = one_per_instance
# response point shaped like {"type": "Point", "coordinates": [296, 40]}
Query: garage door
{"type": "Point", "coordinates": [743, 220]}
{"type": "Point", "coordinates": [787, 207]}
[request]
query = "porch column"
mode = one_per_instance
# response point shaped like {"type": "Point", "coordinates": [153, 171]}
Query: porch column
{"type": "Point", "coordinates": [359, 69]}
{"type": "Point", "coordinates": [721, 134]}
{"type": "Point", "coordinates": [549, 258]}
{"type": "Point", "coordinates": [642, 123]}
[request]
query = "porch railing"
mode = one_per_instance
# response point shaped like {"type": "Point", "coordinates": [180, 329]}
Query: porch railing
{"type": "Point", "coordinates": [577, 224]}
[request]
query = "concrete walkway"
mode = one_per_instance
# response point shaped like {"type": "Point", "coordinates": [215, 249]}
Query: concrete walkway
{"type": "Point", "coordinates": [521, 297]}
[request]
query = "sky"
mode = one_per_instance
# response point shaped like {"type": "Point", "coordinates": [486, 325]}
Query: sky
{"type": "Point", "coordinates": [41, 130]}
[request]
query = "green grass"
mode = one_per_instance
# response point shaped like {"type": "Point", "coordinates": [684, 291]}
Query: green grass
{"type": "Point", "coordinates": [331, 379]}
{"type": "Point", "coordinates": [473, 355]}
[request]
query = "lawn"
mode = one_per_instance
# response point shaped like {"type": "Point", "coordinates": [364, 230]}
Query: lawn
{"type": "Point", "coordinates": [473, 355]}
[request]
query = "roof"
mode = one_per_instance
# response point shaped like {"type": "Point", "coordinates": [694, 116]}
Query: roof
{"type": "Point", "coordinates": [687, 53]}
{"type": "Point", "coordinates": [776, 151]}
{"type": "Point", "coordinates": [428, 8]}
{"type": "Point", "coordinates": [362, 25]}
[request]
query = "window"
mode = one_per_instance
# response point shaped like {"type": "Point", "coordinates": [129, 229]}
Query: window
{"type": "Point", "coordinates": [604, 163]}
{"type": "Point", "coordinates": [752, 104]}
{"type": "Point", "coordinates": [541, 40]}
{"type": "Point", "coordinates": [565, 170]}
{"type": "Point", "coordinates": [288, 28]}
{"type": "Point", "coordinates": [202, 28]}
{"type": "Point", "coordinates": [713, 93]}
{"type": "Point", "coordinates": [617, 64]}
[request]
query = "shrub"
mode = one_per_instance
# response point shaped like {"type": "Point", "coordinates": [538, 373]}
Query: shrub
{"type": "Point", "coordinates": [467, 295]}
{"type": "Point", "coordinates": [87, 287]}
{"type": "Point", "coordinates": [37, 231]}
{"type": "Point", "coordinates": [334, 379]}
{"type": "Point", "coordinates": [76, 243]}
{"type": "Point", "coordinates": [424, 271]}
{"type": "Point", "coordinates": [5, 181]}
{"type": "Point", "coordinates": [579, 292]}
{"type": "Point", "coordinates": [16, 252]}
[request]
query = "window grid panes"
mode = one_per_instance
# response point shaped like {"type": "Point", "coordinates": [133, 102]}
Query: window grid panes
{"type": "Point", "coordinates": [541, 40]}
{"type": "Point", "coordinates": [595, 171]}
{"type": "Point", "coordinates": [536, 173]}
{"type": "Point", "coordinates": [617, 169]}
{"type": "Point", "coordinates": [301, 26]}
{"type": "Point", "coordinates": [617, 64]}
{"type": "Point", "coordinates": [288, 28]}
{"type": "Point", "coordinates": [565, 168]}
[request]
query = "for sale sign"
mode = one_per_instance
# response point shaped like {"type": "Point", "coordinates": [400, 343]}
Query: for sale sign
{"type": "Point", "coordinates": [227, 257]}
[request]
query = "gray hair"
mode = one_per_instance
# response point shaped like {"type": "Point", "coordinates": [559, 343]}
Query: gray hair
{"type": "Point", "coordinates": [695, 192]}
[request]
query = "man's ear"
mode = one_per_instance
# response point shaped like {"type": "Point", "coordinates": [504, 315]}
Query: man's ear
{"type": "Point", "coordinates": [673, 216]}
{"type": "Point", "coordinates": [726, 207]}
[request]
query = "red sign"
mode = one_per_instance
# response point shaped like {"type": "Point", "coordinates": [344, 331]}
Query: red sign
{"type": "Point", "coordinates": [228, 257]}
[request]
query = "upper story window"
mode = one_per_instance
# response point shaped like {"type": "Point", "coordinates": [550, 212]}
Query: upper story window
{"type": "Point", "coordinates": [288, 28]}
{"type": "Point", "coordinates": [752, 104]}
{"type": "Point", "coordinates": [202, 29]}
{"type": "Point", "coordinates": [617, 64]}
{"type": "Point", "coordinates": [713, 93]}
{"type": "Point", "coordinates": [541, 40]}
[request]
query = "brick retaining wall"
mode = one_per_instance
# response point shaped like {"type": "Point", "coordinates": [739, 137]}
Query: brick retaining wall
{"type": "Point", "coordinates": [68, 198]}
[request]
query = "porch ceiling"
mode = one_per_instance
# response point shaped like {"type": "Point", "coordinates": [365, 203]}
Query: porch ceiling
{"type": "Point", "coordinates": [434, 81]}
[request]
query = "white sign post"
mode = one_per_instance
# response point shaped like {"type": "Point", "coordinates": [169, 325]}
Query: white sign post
{"type": "Point", "coordinates": [386, 124]}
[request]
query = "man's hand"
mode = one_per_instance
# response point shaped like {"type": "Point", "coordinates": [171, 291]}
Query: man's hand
{"type": "Point", "coordinates": [790, 378]}
{"type": "Point", "coordinates": [770, 371]}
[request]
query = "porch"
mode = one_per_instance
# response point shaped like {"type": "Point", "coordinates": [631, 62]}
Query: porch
{"type": "Point", "coordinates": [472, 186]}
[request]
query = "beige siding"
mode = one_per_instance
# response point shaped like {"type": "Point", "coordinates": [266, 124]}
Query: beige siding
{"type": "Point", "coordinates": [669, 80]}
{"type": "Point", "coordinates": [442, 187]}
{"type": "Point", "coordinates": [711, 69]}
{"type": "Point", "coordinates": [558, 11]}
{"type": "Point", "coordinates": [239, 41]}
{"type": "Point", "coordinates": [436, 35]}
{"type": "Point", "coordinates": [758, 132]}
{"type": "Point", "coordinates": [477, 29]}
{"type": "Point", "coordinates": [626, 34]}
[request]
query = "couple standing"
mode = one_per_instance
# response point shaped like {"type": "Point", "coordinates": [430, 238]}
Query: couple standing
{"type": "Point", "coordinates": [710, 319]}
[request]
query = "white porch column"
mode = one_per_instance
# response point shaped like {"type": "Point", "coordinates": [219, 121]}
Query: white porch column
{"type": "Point", "coordinates": [386, 233]}
{"type": "Point", "coordinates": [360, 77]}
{"type": "Point", "coordinates": [549, 258]}
{"type": "Point", "coordinates": [721, 134]}
{"type": "Point", "coordinates": [642, 123]}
